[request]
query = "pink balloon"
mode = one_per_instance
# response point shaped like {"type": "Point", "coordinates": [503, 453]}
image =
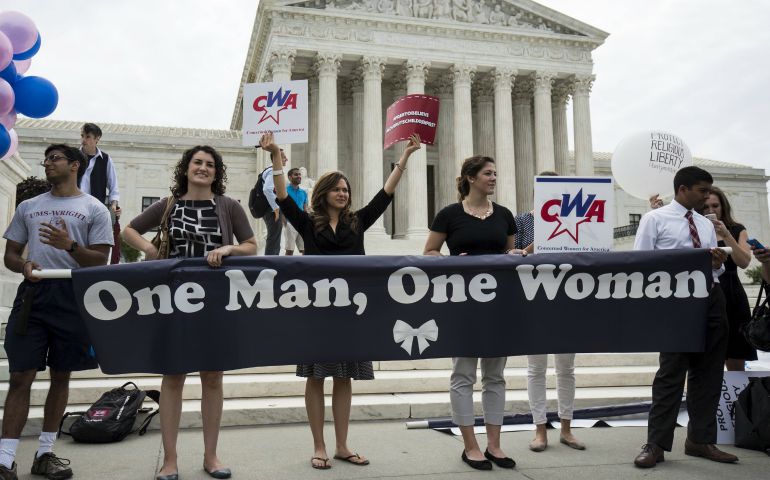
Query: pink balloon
{"type": "Point", "coordinates": [8, 120]}
{"type": "Point", "coordinates": [22, 66]}
{"type": "Point", "coordinates": [14, 144]}
{"type": "Point", "coordinates": [7, 97]}
{"type": "Point", "coordinates": [20, 30]}
{"type": "Point", "coordinates": [6, 51]}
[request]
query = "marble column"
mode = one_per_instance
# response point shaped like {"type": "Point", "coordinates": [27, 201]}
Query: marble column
{"type": "Point", "coordinates": [504, 141]}
{"type": "Point", "coordinates": [445, 167]}
{"type": "Point", "coordinates": [280, 63]}
{"type": "Point", "coordinates": [462, 76]}
{"type": "Point", "coordinates": [400, 205]}
{"type": "Point", "coordinates": [327, 66]}
{"type": "Point", "coordinates": [357, 143]}
{"type": "Point", "coordinates": [581, 112]}
{"type": "Point", "coordinates": [525, 158]}
{"type": "Point", "coordinates": [559, 98]}
{"type": "Point", "coordinates": [485, 144]}
{"type": "Point", "coordinates": [312, 145]}
{"type": "Point", "coordinates": [345, 119]}
{"type": "Point", "coordinates": [371, 71]}
{"type": "Point", "coordinates": [417, 170]}
{"type": "Point", "coordinates": [544, 152]}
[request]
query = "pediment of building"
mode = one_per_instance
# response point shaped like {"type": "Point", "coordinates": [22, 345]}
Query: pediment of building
{"type": "Point", "coordinates": [513, 14]}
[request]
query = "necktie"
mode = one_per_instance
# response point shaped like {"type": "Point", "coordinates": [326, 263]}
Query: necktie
{"type": "Point", "coordinates": [693, 230]}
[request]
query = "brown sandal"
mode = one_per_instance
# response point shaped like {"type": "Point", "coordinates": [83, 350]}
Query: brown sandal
{"type": "Point", "coordinates": [350, 458]}
{"type": "Point", "coordinates": [325, 465]}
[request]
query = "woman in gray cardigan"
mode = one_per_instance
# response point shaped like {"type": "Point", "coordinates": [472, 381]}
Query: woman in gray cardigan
{"type": "Point", "coordinates": [202, 223]}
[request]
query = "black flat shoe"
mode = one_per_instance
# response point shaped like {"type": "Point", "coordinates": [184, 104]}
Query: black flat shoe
{"type": "Point", "coordinates": [221, 473]}
{"type": "Point", "coordinates": [477, 464]}
{"type": "Point", "coordinates": [505, 462]}
{"type": "Point", "coordinates": [170, 476]}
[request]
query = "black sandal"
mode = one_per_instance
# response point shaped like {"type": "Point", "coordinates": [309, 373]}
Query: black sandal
{"type": "Point", "coordinates": [325, 465]}
{"type": "Point", "coordinates": [504, 462]}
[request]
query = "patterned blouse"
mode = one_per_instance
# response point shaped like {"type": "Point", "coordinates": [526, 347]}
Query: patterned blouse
{"type": "Point", "coordinates": [525, 227]}
{"type": "Point", "coordinates": [194, 229]}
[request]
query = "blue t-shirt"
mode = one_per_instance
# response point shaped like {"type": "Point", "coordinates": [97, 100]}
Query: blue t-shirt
{"type": "Point", "coordinates": [298, 195]}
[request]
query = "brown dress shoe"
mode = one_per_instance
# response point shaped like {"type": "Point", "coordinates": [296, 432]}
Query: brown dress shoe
{"type": "Point", "coordinates": [709, 451]}
{"type": "Point", "coordinates": [650, 456]}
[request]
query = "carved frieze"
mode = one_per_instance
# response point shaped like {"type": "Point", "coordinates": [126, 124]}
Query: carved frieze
{"type": "Point", "coordinates": [485, 12]}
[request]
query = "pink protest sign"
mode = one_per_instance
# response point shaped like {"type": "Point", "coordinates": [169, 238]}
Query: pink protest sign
{"type": "Point", "coordinates": [411, 114]}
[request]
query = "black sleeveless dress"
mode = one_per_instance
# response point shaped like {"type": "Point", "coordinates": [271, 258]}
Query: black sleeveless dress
{"type": "Point", "coordinates": [737, 305]}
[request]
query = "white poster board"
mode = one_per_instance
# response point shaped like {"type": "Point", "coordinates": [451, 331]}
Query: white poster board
{"type": "Point", "coordinates": [733, 384]}
{"type": "Point", "coordinates": [278, 107]}
{"type": "Point", "coordinates": [574, 214]}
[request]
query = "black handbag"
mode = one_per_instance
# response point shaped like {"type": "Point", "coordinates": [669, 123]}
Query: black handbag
{"type": "Point", "coordinates": [752, 415]}
{"type": "Point", "coordinates": [757, 330]}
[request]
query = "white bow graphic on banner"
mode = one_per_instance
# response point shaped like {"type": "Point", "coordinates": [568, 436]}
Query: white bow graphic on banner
{"type": "Point", "coordinates": [404, 334]}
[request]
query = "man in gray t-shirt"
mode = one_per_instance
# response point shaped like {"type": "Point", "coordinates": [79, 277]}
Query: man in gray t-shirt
{"type": "Point", "coordinates": [63, 228]}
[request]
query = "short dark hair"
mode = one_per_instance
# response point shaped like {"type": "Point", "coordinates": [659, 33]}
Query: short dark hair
{"type": "Point", "coordinates": [689, 176]}
{"type": "Point", "coordinates": [295, 169]}
{"type": "Point", "coordinates": [73, 155]}
{"type": "Point", "coordinates": [93, 129]}
{"type": "Point", "coordinates": [548, 173]}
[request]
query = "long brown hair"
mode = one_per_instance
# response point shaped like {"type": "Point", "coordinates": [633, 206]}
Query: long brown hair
{"type": "Point", "coordinates": [727, 216]}
{"type": "Point", "coordinates": [320, 208]}
{"type": "Point", "coordinates": [471, 167]}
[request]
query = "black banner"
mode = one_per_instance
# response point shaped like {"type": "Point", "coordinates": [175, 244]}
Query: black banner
{"type": "Point", "coordinates": [176, 316]}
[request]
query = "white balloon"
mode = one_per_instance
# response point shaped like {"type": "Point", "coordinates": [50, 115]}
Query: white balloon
{"type": "Point", "coordinates": [644, 164]}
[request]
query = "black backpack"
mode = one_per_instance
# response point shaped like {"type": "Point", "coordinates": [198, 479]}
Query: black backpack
{"type": "Point", "coordinates": [112, 417]}
{"type": "Point", "coordinates": [258, 205]}
{"type": "Point", "coordinates": [757, 330]}
{"type": "Point", "coordinates": [752, 415]}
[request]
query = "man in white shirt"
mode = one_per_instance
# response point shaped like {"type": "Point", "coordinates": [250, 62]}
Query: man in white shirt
{"type": "Point", "coordinates": [273, 217]}
{"type": "Point", "coordinates": [100, 180]}
{"type": "Point", "coordinates": [676, 226]}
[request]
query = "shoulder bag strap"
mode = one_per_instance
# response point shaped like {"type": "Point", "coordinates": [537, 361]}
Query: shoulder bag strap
{"type": "Point", "coordinates": [759, 297]}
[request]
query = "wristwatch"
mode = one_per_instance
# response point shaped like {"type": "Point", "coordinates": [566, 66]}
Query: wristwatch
{"type": "Point", "coordinates": [73, 247]}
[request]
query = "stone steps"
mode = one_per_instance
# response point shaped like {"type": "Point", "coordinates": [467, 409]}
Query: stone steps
{"type": "Point", "coordinates": [278, 385]}
{"type": "Point", "coordinates": [383, 406]}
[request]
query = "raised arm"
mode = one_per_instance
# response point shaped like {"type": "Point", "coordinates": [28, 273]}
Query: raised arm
{"type": "Point", "coordinates": [395, 175]}
{"type": "Point", "coordinates": [269, 145]}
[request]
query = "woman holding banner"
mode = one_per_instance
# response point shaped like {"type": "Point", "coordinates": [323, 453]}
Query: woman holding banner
{"type": "Point", "coordinates": [477, 226]}
{"type": "Point", "coordinates": [538, 364]}
{"type": "Point", "coordinates": [202, 223]}
{"type": "Point", "coordinates": [332, 228]}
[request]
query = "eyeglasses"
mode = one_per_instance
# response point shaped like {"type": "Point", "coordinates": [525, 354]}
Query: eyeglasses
{"type": "Point", "coordinates": [54, 157]}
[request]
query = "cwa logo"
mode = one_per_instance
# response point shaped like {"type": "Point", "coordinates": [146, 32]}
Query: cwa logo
{"type": "Point", "coordinates": [571, 212]}
{"type": "Point", "coordinates": [272, 104]}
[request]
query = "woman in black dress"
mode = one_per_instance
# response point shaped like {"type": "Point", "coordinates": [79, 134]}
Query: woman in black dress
{"type": "Point", "coordinates": [477, 226]}
{"type": "Point", "coordinates": [732, 234]}
{"type": "Point", "coordinates": [332, 228]}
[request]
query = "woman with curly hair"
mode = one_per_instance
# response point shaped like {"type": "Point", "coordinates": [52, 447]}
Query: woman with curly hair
{"type": "Point", "coordinates": [332, 228]}
{"type": "Point", "coordinates": [202, 223]}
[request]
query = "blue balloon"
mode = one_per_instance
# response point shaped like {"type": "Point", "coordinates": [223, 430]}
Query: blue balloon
{"type": "Point", "coordinates": [9, 74]}
{"type": "Point", "coordinates": [36, 97]}
{"type": "Point", "coordinates": [29, 53]}
{"type": "Point", "coordinates": [5, 141]}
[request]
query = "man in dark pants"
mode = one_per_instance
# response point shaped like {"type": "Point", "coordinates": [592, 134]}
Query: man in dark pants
{"type": "Point", "coordinates": [64, 228]}
{"type": "Point", "coordinates": [674, 226]}
{"type": "Point", "coordinates": [272, 218]}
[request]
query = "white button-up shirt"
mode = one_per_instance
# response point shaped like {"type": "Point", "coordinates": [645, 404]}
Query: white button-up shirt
{"type": "Point", "coordinates": [667, 228]}
{"type": "Point", "coordinates": [112, 177]}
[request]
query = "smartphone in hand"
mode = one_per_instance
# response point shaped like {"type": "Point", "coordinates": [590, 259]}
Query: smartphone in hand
{"type": "Point", "coordinates": [755, 243]}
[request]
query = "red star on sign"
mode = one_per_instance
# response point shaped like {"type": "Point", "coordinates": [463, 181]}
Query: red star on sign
{"type": "Point", "coordinates": [567, 226]}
